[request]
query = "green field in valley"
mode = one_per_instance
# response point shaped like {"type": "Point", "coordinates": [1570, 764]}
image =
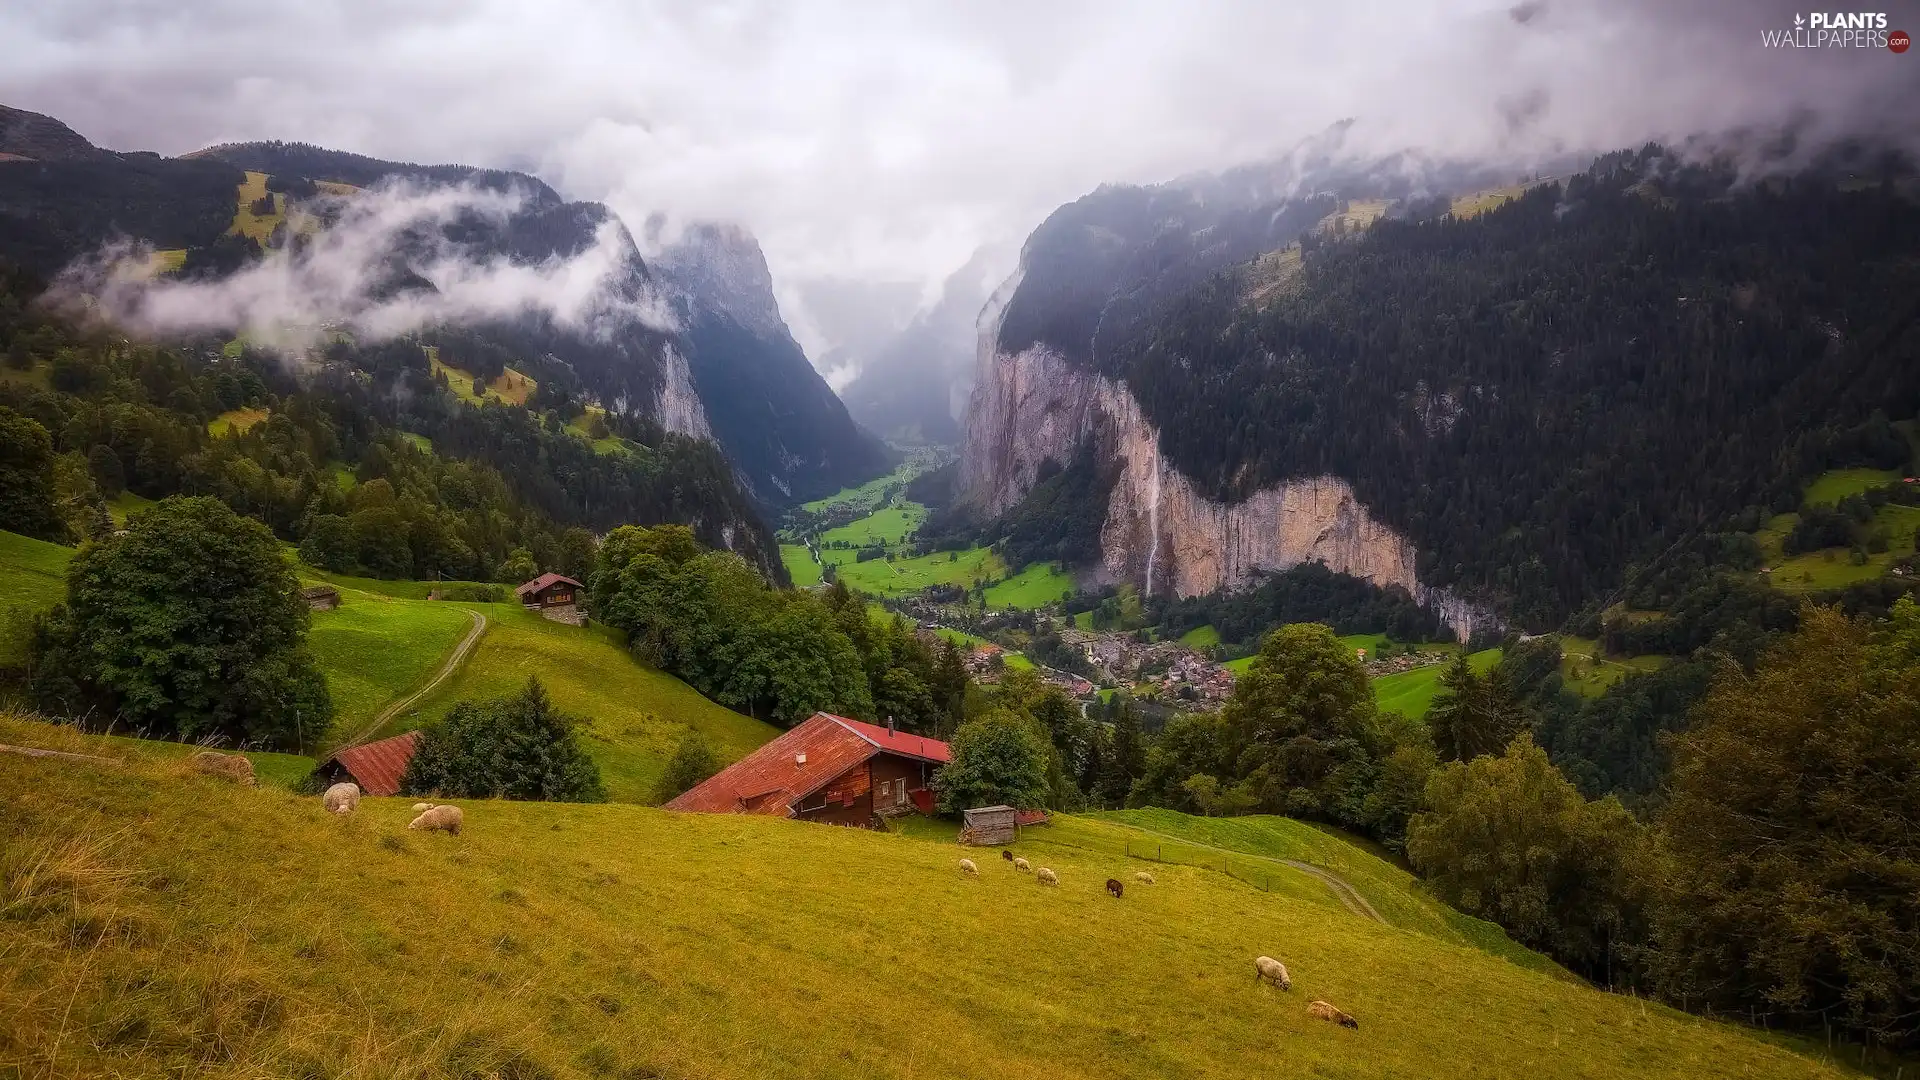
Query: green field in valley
{"type": "Point", "coordinates": [638, 713]}
{"type": "Point", "coordinates": [170, 930]}
{"type": "Point", "coordinates": [1200, 637]}
{"type": "Point", "coordinates": [1410, 693]}
{"type": "Point", "coordinates": [902, 576]}
{"type": "Point", "coordinates": [887, 526]}
{"type": "Point", "coordinates": [800, 565]}
{"type": "Point", "coordinates": [965, 640]}
{"type": "Point", "coordinates": [1036, 586]}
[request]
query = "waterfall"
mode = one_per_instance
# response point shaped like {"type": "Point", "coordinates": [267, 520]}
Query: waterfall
{"type": "Point", "coordinates": [1153, 516]}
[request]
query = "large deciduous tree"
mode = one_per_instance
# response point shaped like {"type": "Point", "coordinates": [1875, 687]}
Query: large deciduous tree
{"type": "Point", "coordinates": [26, 478]}
{"type": "Point", "coordinates": [1301, 726]}
{"type": "Point", "coordinates": [1790, 856]}
{"type": "Point", "coordinates": [1507, 838]}
{"type": "Point", "coordinates": [190, 624]}
{"type": "Point", "coordinates": [999, 759]}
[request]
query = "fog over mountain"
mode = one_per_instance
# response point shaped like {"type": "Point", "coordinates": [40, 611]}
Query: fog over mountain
{"type": "Point", "coordinates": [873, 150]}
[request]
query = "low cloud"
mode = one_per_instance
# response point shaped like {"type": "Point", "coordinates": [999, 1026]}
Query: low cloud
{"type": "Point", "coordinates": [378, 264]}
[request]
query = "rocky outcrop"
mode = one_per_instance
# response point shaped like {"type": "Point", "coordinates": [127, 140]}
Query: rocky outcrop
{"type": "Point", "coordinates": [1160, 533]}
{"type": "Point", "coordinates": [678, 408]}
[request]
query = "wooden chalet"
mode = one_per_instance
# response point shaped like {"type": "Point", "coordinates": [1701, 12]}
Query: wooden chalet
{"type": "Point", "coordinates": [548, 591]}
{"type": "Point", "coordinates": [828, 769]}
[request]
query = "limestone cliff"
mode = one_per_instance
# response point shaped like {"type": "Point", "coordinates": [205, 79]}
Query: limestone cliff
{"type": "Point", "coordinates": [1159, 532]}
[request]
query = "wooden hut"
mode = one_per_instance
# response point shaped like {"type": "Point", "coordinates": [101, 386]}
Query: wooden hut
{"type": "Point", "coordinates": [990, 825]}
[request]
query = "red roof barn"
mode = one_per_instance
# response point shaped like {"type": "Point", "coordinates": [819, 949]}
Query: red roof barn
{"type": "Point", "coordinates": [829, 769]}
{"type": "Point", "coordinates": [549, 590]}
{"type": "Point", "coordinates": [376, 766]}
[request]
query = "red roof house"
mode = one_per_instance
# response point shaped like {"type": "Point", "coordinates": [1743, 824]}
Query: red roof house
{"type": "Point", "coordinates": [376, 766]}
{"type": "Point", "coordinates": [829, 769]}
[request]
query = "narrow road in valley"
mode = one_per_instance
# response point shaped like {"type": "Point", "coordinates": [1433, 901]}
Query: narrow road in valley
{"type": "Point", "coordinates": [447, 667]}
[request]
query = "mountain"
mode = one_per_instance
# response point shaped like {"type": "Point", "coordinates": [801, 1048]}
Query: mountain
{"type": "Point", "coordinates": [914, 388]}
{"type": "Point", "coordinates": [1499, 402]}
{"type": "Point", "coordinates": [33, 137]}
{"type": "Point", "coordinates": [781, 424]}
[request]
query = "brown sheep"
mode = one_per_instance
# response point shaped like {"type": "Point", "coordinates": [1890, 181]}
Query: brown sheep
{"type": "Point", "coordinates": [1007, 855]}
{"type": "Point", "coordinates": [234, 767]}
{"type": "Point", "coordinates": [1114, 888]}
{"type": "Point", "coordinates": [441, 818]}
{"type": "Point", "coordinates": [1323, 1011]}
{"type": "Point", "coordinates": [1267, 969]}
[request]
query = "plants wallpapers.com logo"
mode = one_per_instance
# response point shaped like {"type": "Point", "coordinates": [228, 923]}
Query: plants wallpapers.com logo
{"type": "Point", "coordinates": [1838, 30]}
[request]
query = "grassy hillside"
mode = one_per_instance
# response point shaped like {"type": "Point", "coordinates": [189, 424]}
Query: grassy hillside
{"type": "Point", "coordinates": [639, 714]}
{"type": "Point", "coordinates": [901, 576]}
{"type": "Point", "coordinates": [888, 526]}
{"type": "Point", "coordinates": [373, 649]}
{"type": "Point", "coordinates": [156, 925]}
{"type": "Point", "coordinates": [33, 573]}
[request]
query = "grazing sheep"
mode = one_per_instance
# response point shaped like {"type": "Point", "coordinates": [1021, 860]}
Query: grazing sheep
{"type": "Point", "coordinates": [1324, 1011]}
{"type": "Point", "coordinates": [967, 867]}
{"type": "Point", "coordinates": [443, 818]}
{"type": "Point", "coordinates": [1143, 877]}
{"type": "Point", "coordinates": [342, 799]}
{"type": "Point", "coordinates": [1022, 865]}
{"type": "Point", "coordinates": [422, 807]}
{"type": "Point", "coordinates": [1007, 855]}
{"type": "Point", "coordinates": [1267, 969]}
{"type": "Point", "coordinates": [1113, 888]}
{"type": "Point", "coordinates": [1046, 877]}
{"type": "Point", "coordinates": [234, 767]}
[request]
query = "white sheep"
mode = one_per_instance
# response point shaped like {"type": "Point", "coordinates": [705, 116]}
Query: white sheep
{"type": "Point", "coordinates": [444, 818]}
{"type": "Point", "coordinates": [422, 807]}
{"type": "Point", "coordinates": [1143, 877]}
{"type": "Point", "coordinates": [1022, 865]}
{"type": "Point", "coordinates": [1267, 969]}
{"type": "Point", "coordinates": [1046, 877]}
{"type": "Point", "coordinates": [967, 867]}
{"type": "Point", "coordinates": [342, 798]}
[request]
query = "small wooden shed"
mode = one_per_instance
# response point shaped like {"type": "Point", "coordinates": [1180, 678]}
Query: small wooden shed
{"type": "Point", "coordinates": [990, 825]}
{"type": "Point", "coordinates": [321, 597]}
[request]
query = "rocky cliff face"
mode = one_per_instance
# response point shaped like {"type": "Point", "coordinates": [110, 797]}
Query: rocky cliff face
{"type": "Point", "coordinates": [1159, 532]}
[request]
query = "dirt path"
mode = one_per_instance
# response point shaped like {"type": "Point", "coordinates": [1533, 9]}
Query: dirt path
{"type": "Point", "coordinates": [1348, 896]}
{"type": "Point", "coordinates": [34, 751]}
{"type": "Point", "coordinates": [447, 667]}
{"type": "Point", "coordinates": [1344, 892]}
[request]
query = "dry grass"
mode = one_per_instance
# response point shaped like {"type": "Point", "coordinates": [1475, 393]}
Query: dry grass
{"type": "Point", "coordinates": [229, 932]}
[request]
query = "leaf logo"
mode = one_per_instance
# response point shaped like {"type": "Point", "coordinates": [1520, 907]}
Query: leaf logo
{"type": "Point", "coordinates": [1799, 21]}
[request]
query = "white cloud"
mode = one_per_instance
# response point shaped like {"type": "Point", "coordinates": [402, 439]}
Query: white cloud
{"type": "Point", "coordinates": [353, 275]}
{"type": "Point", "coordinates": [885, 142]}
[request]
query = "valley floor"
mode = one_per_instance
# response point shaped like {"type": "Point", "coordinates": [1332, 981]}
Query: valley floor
{"type": "Point", "coordinates": [161, 924]}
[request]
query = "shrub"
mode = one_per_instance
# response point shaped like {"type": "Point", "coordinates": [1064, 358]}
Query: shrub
{"type": "Point", "coordinates": [517, 747]}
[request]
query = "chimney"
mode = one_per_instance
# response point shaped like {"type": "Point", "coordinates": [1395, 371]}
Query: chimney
{"type": "Point", "coordinates": [890, 728]}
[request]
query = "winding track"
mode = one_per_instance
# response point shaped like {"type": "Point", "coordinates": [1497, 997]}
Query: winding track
{"type": "Point", "coordinates": [1343, 891]}
{"type": "Point", "coordinates": [447, 667]}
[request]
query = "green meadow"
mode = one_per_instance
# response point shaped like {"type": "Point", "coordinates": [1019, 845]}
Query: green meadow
{"type": "Point", "coordinates": [166, 925]}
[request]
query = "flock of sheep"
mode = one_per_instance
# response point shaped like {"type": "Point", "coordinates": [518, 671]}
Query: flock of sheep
{"type": "Point", "coordinates": [344, 798]}
{"type": "Point", "coordinates": [1265, 968]}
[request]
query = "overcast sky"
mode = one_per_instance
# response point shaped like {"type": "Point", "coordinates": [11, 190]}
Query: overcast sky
{"type": "Point", "coordinates": [874, 146]}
